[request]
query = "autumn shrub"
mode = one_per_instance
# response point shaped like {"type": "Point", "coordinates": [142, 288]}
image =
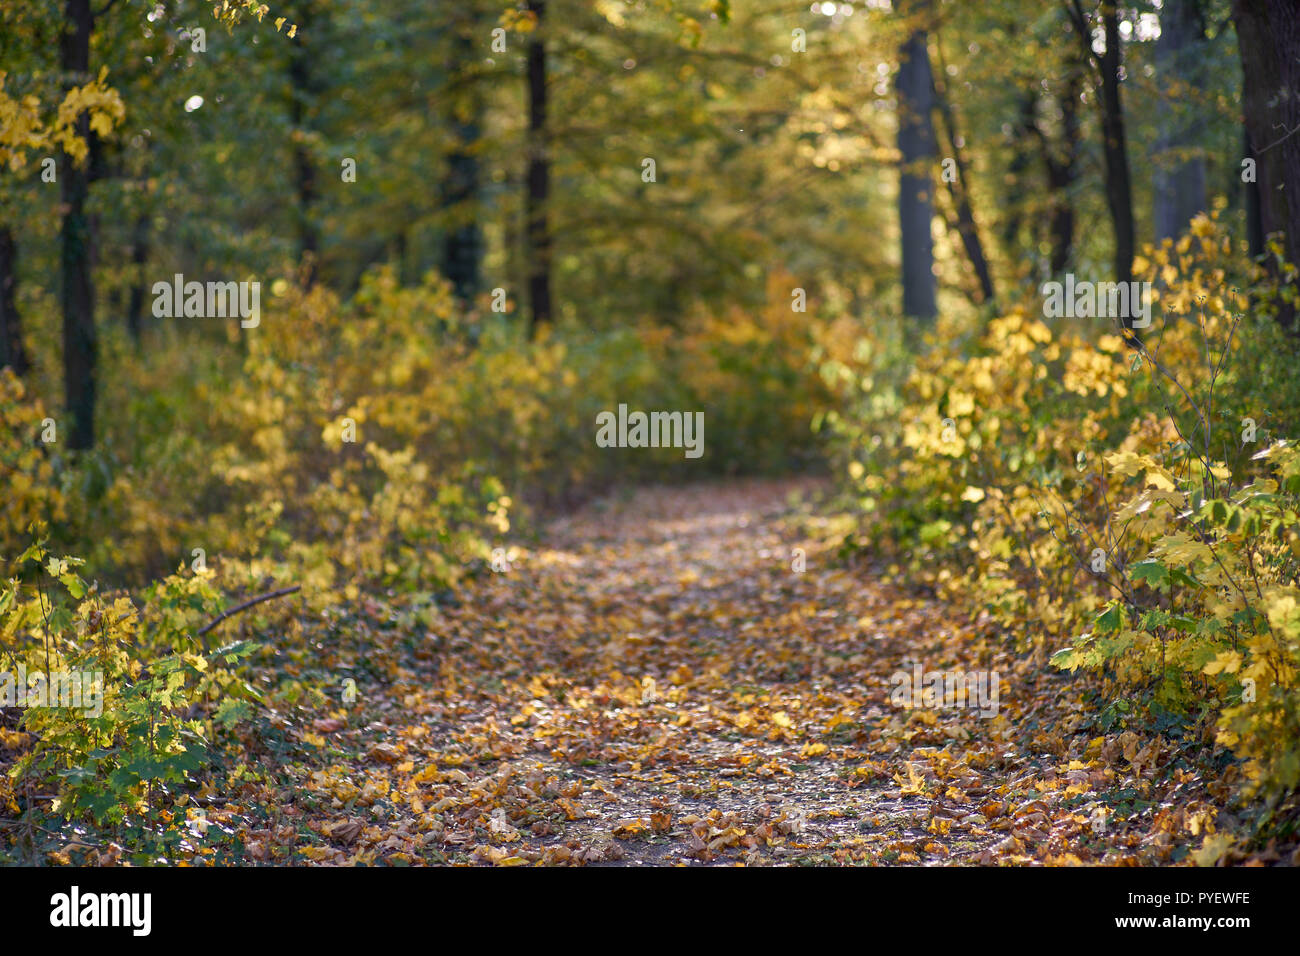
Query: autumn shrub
{"type": "Point", "coordinates": [388, 437]}
{"type": "Point", "coordinates": [129, 731]}
{"type": "Point", "coordinates": [381, 445]}
{"type": "Point", "coordinates": [1132, 509]}
{"type": "Point", "coordinates": [27, 466]}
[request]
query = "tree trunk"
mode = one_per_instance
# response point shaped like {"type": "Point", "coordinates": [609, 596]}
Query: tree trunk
{"type": "Point", "coordinates": [1179, 182]}
{"type": "Point", "coordinates": [1016, 184]}
{"type": "Point", "coordinates": [1254, 223]}
{"type": "Point", "coordinates": [1119, 187]}
{"type": "Point", "coordinates": [13, 351]}
{"type": "Point", "coordinates": [959, 187]}
{"type": "Point", "coordinates": [1119, 193]}
{"type": "Point", "coordinates": [462, 251]}
{"type": "Point", "coordinates": [301, 92]}
{"type": "Point", "coordinates": [1061, 164]}
{"type": "Point", "coordinates": [1268, 33]}
{"type": "Point", "coordinates": [537, 227]}
{"type": "Point", "coordinates": [79, 344]}
{"type": "Point", "coordinates": [916, 145]}
{"type": "Point", "coordinates": [139, 258]}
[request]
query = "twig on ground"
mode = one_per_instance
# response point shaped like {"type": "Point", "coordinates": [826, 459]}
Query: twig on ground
{"type": "Point", "coordinates": [245, 606]}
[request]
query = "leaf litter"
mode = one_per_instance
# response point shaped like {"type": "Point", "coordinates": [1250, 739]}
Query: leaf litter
{"type": "Point", "coordinates": [655, 684]}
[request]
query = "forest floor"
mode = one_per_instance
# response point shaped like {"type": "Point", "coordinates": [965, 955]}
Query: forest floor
{"type": "Point", "coordinates": [655, 684]}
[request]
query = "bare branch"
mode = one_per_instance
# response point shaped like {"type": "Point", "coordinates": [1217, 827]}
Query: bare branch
{"type": "Point", "coordinates": [245, 606]}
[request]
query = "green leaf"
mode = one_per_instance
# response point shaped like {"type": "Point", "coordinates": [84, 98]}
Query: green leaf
{"type": "Point", "coordinates": [233, 652]}
{"type": "Point", "coordinates": [60, 620]}
{"type": "Point", "coordinates": [1151, 571]}
{"type": "Point", "coordinates": [1112, 619]}
{"type": "Point", "coordinates": [76, 587]}
{"type": "Point", "coordinates": [35, 552]}
{"type": "Point", "coordinates": [231, 711]}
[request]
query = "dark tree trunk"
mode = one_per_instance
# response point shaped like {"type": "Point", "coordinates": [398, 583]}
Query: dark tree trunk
{"type": "Point", "coordinates": [916, 144]}
{"type": "Point", "coordinates": [462, 252]}
{"type": "Point", "coordinates": [139, 258]}
{"type": "Point", "coordinates": [1119, 193]}
{"type": "Point", "coordinates": [1179, 182]}
{"type": "Point", "coordinates": [13, 351]}
{"type": "Point", "coordinates": [1119, 187]}
{"type": "Point", "coordinates": [1254, 223]}
{"type": "Point", "coordinates": [960, 190]}
{"type": "Point", "coordinates": [537, 226]}
{"type": "Point", "coordinates": [1061, 165]}
{"type": "Point", "coordinates": [1268, 33]}
{"type": "Point", "coordinates": [79, 343]}
{"type": "Point", "coordinates": [301, 94]}
{"type": "Point", "coordinates": [1017, 185]}
{"type": "Point", "coordinates": [402, 253]}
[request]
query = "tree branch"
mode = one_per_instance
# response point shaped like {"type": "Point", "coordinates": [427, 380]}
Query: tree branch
{"type": "Point", "coordinates": [245, 606]}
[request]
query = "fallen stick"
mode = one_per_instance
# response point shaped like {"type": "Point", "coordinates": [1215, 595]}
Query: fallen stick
{"type": "Point", "coordinates": [244, 607]}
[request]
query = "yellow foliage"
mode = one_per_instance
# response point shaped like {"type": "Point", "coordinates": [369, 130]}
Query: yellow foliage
{"type": "Point", "coordinates": [1086, 494]}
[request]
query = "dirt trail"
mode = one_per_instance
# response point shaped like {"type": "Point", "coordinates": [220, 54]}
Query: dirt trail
{"type": "Point", "coordinates": [658, 684]}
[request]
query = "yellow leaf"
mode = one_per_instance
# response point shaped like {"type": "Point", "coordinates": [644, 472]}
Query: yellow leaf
{"type": "Point", "coordinates": [1226, 662]}
{"type": "Point", "coordinates": [1213, 849]}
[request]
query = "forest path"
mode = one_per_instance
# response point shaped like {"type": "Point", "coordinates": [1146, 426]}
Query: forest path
{"type": "Point", "coordinates": [657, 684]}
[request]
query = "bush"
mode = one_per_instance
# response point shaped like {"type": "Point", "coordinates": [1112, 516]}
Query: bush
{"type": "Point", "coordinates": [1132, 504]}
{"type": "Point", "coordinates": [375, 449]}
{"type": "Point", "coordinates": [27, 467]}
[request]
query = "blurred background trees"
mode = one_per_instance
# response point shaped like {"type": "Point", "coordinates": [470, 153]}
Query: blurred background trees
{"type": "Point", "coordinates": [603, 163]}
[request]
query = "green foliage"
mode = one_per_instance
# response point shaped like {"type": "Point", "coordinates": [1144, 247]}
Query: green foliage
{"type": "Point", "coordinates": [125, 729]}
